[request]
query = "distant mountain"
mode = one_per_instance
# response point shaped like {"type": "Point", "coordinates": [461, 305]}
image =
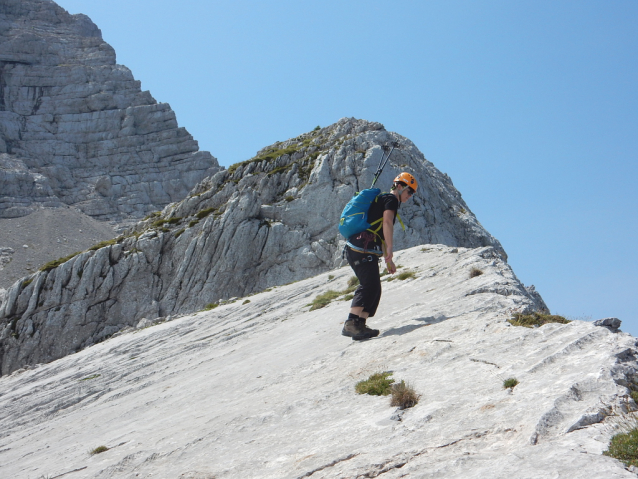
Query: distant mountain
{"type": "Point", "coordinates": [75, 127]}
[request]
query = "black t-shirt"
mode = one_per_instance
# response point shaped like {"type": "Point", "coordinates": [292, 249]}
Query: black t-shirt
{"type": "Point", "coordinates": [370, 241]}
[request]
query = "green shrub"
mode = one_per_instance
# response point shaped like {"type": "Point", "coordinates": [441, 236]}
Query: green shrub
{"type": "Point", "coordinates": [246, 302]}
{"type": "Point", "coordinates": [379, 384]}
{"type": "Point", "coordinates": [510, 383]}
{"type": "Point", "coordinates": [210, 306]}
{"type": "Point", "coordinates": [178, 233]}
{"type": "Point", "coordinates": [324, 299]}
{"type": "Point", "coordinates": [90, 377]}
{"type": "Point", "coordinates": [535, 319]}
{"type": "Point", "coordinates": [474, 272]}
{"type": "Point", "coordinates": [634, 396]}
{"type": "Point", "coordinates": [27, 282]}
{"type": "Point", "coordinates": [98, 450]}
{"type": "Point", "coordinates": [331, 277]}
{"type": "Point", "coordinates": [289, 198]}
{"type": "Point", "coordinates": [624, 447]}
{"type": "Point", "coordinates": [348, 297]}
{"type": "Point", "coordinates": [404, 395]}
{"type": "Point", "coordinates": [193, 223]}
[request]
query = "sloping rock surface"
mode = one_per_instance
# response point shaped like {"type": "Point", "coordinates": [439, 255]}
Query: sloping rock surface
{"type": "Point", "coordinates": [75, 127]}
{"type": "Point", "coordinates": [264, 388]}
{"type": "Point", "coordinates": [267, 221]}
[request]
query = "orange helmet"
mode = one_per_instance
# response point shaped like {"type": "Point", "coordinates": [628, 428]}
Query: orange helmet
{"type": "Point", "coordinates": [408, 179]}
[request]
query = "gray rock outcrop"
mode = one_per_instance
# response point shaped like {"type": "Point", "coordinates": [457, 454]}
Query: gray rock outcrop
{"type": "Point", "coordinates": [76, 128]}
{"type": "Point", "coordinates": [613, 324]}
{"type": "Point", "coordinates": [267, 221]}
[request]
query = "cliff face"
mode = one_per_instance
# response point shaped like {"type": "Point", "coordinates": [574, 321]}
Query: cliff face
{"type": "Point", "coordinates": [75, 127]}
{"type": "Point", "coordinates": [265, 388]}
{"type": "Point", "coordinates": [268, 221]}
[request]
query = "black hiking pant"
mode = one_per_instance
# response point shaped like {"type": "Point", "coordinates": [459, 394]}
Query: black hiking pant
{"type": "Point", "coordinates": [366, 267]}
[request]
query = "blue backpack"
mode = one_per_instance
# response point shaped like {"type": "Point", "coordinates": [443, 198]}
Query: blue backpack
{"type": "Point", "coordinates": [354, 218]}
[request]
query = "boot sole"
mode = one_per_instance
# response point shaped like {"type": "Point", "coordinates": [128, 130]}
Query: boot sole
{"type": "Point", "coordinates": [361, 337]}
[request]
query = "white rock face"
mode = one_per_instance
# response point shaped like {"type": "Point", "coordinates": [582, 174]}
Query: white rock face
{"type": "Point", "coordinates": [75, 127]}
{"type": "Point", "coordinates": [264, 388]}
{"type": "Point", "coordinates": [268, 221]}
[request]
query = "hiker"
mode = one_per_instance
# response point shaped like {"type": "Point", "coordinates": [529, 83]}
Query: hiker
{"type": "Point", "coordinates": [364, 251]}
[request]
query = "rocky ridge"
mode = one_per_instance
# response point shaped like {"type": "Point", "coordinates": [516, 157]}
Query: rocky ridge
{"type": "Point", "coordinates": [264, 388]}
{"type": "Point", "coordinates": [76, 128]}
{"type": "Point", "coordinates": [267, 221]}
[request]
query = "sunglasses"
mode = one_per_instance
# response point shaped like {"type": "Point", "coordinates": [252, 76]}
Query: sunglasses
{"type": "Point", "coordinates": [410, 191]}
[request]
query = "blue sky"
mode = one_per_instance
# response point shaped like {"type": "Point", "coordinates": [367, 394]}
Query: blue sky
{"type": "Point", "coordinates": [531, 107]}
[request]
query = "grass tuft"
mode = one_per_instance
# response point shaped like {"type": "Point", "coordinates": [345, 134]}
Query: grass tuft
{"type": "Point", "coordinates": [474, 272]}
{"type": "Point", "coordinates": [210, 306]}
{"type": "Point", "coordinates": [536, 319]}
{"type": "Point", "coordinates": [406, 275]}
{"type": "Point", "coordinates": [204, 213]}
{"type": "Point", "coordinates": [324, 299]}
{"type": "Point", "coordinates": [379, 384]}
{"type": "Point", "coordinates": [510, 383]}
{"type": "Point", "coordinates": [353, 283]}
{"type": "Point", "coordinates": [57, 262]}
{"type": "Point", "coordinates": [98, 450]}
{"type": "Point", "coordinates": [404, 395]}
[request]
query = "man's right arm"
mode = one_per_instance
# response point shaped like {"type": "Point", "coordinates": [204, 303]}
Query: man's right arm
{"type": "Point", "coordinates": [388, 232]}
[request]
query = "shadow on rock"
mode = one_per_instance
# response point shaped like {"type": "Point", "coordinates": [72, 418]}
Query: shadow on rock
{"type": "Point", "coordinates": [427, 321]}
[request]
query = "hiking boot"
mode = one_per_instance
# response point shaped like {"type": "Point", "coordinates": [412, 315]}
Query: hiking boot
{"type": "Point", "coordinates": [352, 327]}
{"type": "Point", "coordinates": [366, 332]}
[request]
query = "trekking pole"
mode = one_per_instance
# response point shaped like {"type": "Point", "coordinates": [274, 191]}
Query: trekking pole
{"type": "Point", "coordinates": [382, 164]}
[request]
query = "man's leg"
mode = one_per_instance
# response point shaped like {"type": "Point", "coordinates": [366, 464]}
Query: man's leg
{"type": "Point", "coordinates": [366, 296]}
